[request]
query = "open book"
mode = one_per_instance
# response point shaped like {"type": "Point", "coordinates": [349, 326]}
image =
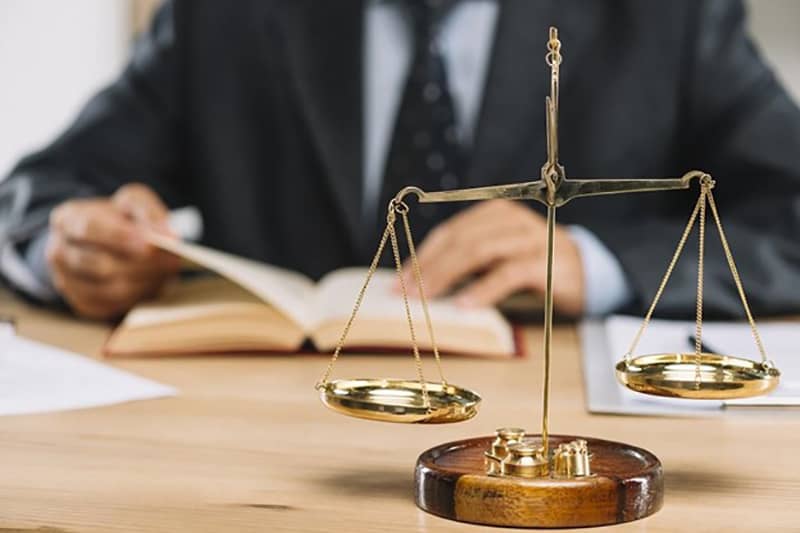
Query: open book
{"type": "Point", "coordinates": [256, 307]}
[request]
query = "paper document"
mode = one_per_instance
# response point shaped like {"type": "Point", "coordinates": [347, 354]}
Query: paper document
{"type": "Point", "coordinates": [604, 343]}
{"type": "Point", "coordinates": [38, 378]}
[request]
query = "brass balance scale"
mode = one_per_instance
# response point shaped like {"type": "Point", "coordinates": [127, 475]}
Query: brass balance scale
{"type": "Point", "coordinates": [544, 480]}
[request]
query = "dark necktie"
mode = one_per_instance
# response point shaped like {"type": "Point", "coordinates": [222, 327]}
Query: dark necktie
{"type": "Point", "coordinates": [425, 149]}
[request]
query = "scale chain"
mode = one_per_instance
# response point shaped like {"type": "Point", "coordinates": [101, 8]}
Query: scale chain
{"type": "Point", "coordinates": [737, 280]}
{"type": "Point", "coordinates": [412, 250]}
{"type": "Point", "coordinates": [664, 280]}
{"type": "Point", "coordinates": [399, 267]}
{"type": "Point", "coordinates": [706, 196]}
{"type": "Point", "coordinates": [370, 272]}
{"type": "Point", "coordinates": [396, 205]}
{"type": "Point", "coordinates": [705, 187]}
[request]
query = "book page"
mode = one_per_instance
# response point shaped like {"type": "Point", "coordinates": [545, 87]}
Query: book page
{"type": "Point", "coordinates": [337, 291]}
{"type": "Point", "coordinates": [207, 314]}
{"type": "Point", "coordinates": [189, 300]}
{"type": "Point", "coordinates": [289, 292]}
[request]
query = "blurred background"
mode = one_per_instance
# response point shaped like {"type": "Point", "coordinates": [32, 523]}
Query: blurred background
{"type": "Point", "coordinates": [54, 54]}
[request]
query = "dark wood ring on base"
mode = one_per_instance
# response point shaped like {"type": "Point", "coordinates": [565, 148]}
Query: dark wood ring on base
{"type": "Point", "coordinates": [626, 484]}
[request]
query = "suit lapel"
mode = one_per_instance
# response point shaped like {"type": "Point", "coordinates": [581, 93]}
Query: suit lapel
{"type": "Point", "coordinates": [324, 46]}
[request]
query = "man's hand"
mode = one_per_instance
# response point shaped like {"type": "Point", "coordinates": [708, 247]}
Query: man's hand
{"type": "Point", "coordinates": [99, 259]}
{"type": "Point", "coordinates": [503, 243]}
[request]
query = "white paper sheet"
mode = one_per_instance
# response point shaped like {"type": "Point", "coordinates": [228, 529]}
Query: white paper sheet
{"type": "Point", "coordinates": [605, 342]}
{"type": "Point", "coordinates": [38, 378]}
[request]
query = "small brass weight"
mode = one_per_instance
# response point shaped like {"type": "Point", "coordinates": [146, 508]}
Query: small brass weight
{"type": "Point", "coordinates": [543, 480]}
{"type": "Point", "coordinates": [512, 454]}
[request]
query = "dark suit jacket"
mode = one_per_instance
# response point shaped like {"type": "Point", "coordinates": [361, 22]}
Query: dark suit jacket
{"type": "Point", "coordinates": [253, 110]}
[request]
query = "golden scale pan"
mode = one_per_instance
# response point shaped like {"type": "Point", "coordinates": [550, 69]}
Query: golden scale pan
{"type": "Point", "coordinates": [492, 467]}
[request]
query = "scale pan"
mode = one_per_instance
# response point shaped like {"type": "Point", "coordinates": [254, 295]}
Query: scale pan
{"type": "Point", "coordinates": [398, 400]}
{"type": "Point", "coordinates": [676, 375]}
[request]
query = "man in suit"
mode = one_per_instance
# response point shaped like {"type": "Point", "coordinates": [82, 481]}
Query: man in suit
{"type": "Point", "coordinates": [289, 123]}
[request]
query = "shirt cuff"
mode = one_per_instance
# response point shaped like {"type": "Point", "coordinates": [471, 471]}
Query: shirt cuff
{"type": "Point", "coordinates": [606, 287]}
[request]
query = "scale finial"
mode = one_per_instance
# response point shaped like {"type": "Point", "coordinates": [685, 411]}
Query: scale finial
{"type": "Point", "coordinates": [554, 42]}
{"type": "Point", "coordinates": [552, 173]}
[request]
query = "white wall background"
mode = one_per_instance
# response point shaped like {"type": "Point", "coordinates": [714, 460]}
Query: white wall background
{"type": "Point", "coordinates": [776, 27]}
{"type": "Point", "coordinates": [55, 53]}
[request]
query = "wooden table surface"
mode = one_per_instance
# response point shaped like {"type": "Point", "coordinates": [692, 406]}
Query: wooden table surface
{"type": "Point", "coordinates": [247, 447]}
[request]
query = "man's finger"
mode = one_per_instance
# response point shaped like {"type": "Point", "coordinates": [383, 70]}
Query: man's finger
{"type": "Point", "coordinates": [95, 263]}
{"type": "Point", "coordinates": [101, 299]}
{"type": "Point", "coordinates": [480, 223]}
{"type": "Point", "coordinates": [476, 254]}
{"type": "Point", "coordinates": [82, 295]}
{"type": "Point", "coordinates": [141, 204]}
{"type": "Point", "coordinates": [158, 264]}
{"type": "Point", "coordinates": [441, 236]}
{"type": "Point", "coordinates": [502, 281]}
{"type": "Point", "coordinates": [96, 222]}
{"type": "Point", "coordinates": [484, 214]}
{"type": "Point", "coordinates": [84, 259]}
{"type": "Point", "coordinates": [458, 248]}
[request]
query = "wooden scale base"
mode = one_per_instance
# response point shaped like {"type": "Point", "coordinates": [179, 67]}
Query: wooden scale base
{"type": "Point", "coordinates": [626, 484]}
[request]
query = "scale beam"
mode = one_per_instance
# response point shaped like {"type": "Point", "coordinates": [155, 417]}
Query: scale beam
{"type": "Point", "coordinates": [531, 190]}
{"type": "Point", "coordinates": [564, 191]}
{"type": "Point", "coordinates": [577, 188]}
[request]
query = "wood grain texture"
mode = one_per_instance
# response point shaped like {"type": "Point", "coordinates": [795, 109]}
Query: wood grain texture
{"type": "Point", "coordinates": [627, 485]}
{"type": "Point", "coordinates": [247, 448]}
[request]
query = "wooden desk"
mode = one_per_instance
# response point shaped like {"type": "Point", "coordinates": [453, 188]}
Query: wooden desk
{"type": "Point", "coordinates": [247, 447]}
